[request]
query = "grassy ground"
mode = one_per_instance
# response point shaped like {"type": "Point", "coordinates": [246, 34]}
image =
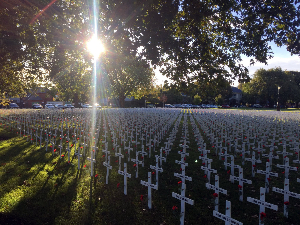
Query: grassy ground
{"type": "Point", "coordinates": [40, 188]}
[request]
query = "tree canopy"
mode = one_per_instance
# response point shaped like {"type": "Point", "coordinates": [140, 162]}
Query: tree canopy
{"type": "Point", "coordinates": [265, 83]}
{"type": "Point", "coordinates": [192, 41]}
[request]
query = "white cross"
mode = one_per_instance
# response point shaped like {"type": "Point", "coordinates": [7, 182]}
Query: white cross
{"type": "Point", "coordinates": [287, 168]}
{"type": "Point", "coordinates": [287, 193]}
{"type": "Point", "coordinates": [137, 162]}
{"type": "Point", "coordinates": [241, 180]}
{"type": "Point", "coordinates": [79, 155]}
{"type": "Point", "coordinates": [119, 155]}
{"type": "Point", "coordinates": [125, 174]}
{"type": "Point", "coordinates": [253, 161]}
{"type": "Point", "coordinates": [227, 217]}
{"type": "Point", "coordinates": [208, 170]}
{"type": "Point", "coordinates": [183, 200]}
{"type": "Point", "coordinates": [217, 190]}
{"type": "Point", "coordinates": [92, 163]}
{"type": "Point", "coordinates": [157, 169]}
{"type": "Point", "coordinates": [150, 186]}
{"type": "Point", "coordinates": [268, 174]}
{"type": "Point", "coordinates": [262, 204]}
{"type": "Point", "coordinates": [108, 166]}
{"type": "Point", "coordinates": [232, 166]}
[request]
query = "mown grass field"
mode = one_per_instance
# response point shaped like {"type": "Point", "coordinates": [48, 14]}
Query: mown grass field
{"type": "Point", "coordinates": [40, 188]}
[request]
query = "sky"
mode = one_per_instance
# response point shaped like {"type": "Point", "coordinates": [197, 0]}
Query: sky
{"type": "Point", "coordinates": [282, 58]}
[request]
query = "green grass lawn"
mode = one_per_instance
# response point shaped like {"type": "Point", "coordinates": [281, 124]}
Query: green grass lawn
{"type": "Point", "coordinates": [40, 188]}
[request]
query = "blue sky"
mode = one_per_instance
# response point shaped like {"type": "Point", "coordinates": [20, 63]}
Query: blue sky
{"type": "Point", "coordinates": [282, 58]}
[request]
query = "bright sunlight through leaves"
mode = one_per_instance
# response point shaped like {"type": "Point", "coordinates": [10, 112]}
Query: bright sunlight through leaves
{"type": "Point", "coordinates": [95, 47]}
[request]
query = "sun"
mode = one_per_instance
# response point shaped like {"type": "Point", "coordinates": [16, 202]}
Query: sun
{"type": "Point", "coordinates": [95, 47]}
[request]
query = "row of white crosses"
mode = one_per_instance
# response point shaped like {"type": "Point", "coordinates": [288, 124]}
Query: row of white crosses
{"type": "Point", "coordinates": [267, 172]}
{"type": "Point", "coordinates": [58, 130]}
{"type": "Point", "coordinates": [182, 176]}
{"type": "Point", "coordinates": [157, 168]}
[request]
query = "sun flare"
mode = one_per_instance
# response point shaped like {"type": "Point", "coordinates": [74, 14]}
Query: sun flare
{"type": "Point", "coordinates": [95, 47]}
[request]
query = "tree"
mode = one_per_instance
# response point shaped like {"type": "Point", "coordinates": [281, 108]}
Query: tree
{"type": "Point", "coordinates": [193, 41]}
{"type": "Point", "coordinates": [264, 87]}
{"type": "Point", "coordinates": [125, 75]}
{"type": "Point", "coordinates": [197, 100]}
{"type": "Point", "coordinates": [198, 40]}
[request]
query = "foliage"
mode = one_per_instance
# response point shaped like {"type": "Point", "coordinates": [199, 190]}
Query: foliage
{"type": "Point", "coordinates": [219, 100]}
{"type": "Point", "coordinates": [195, 41]}
{"type": "Point", "coordinates": [264, 87]}
{"type": "Point", "coordinates": [197, 100]}
{"type": "Point", "coordinates": [126, 75]}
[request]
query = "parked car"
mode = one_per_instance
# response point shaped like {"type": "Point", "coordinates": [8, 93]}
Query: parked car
{"type": "Point", "coordinates": [257, 106]}
{"type": "Point", "coordinates": [59, 106]}
{"type": "Point", "coordinates": [97, 105]}
{"type": "Point", "coordinates": [169, 106]}
{"type": "Point", "coordinates": [49, 106]}
{"type": "Point", "coordinates": [37, 106]}
{"type": "Point", "coordinates": [70, 106]}
{"type": "Point", "coordinates": [13, 106]}
{"type": "Point", "coordinates": [225, 106]}
{"type": "Point", "coordinates": [86, 106]}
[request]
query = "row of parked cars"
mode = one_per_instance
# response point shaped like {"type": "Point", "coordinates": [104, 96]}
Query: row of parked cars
{"type": "Point", "coordinates": [189, 106]}
{"type": "Point", "coordinates": [51, 106]}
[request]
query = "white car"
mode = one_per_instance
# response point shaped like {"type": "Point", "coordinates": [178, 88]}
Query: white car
{"type": "Point", "coordinates": [86, 106]}
{"type": "Point", "coordinates": [59, 106]}
{"type": "Point", "coordinates": [70, 106]}
{"type": "Point", "coordinates": [37, 106]}
{"type": "Point", "coordinates": [49, 106]}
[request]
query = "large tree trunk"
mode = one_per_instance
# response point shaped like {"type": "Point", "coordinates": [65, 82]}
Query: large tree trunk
{"type": "Point", "coordinates": [122, 100]}
{"type": "Point", "coordinates": [76, 101]}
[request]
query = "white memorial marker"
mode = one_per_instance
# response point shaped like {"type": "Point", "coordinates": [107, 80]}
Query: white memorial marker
{"type": "Point", "coordinates": [268, 174]}
{"type": "Point", "coordinates": [157, 169]}
{"type": "Point", "coordinates": [241, 180]}
{"type": "Point", "coordinates": [119, 155]}
{"type": "Point", "coordinates": [183, 200]}
{"type": "Point", "coordinates": [125, 174]}
{"type": "Point", "coordinates": [217, 190]}
{"type": "Point", "coordinates": [137, 162]}
{"type": "Point", "coordinates": [262, 204]}
{"type": "Point", "coordinates": [108, 166]}
{"type": "Point", "coordinates": [78, 155]}
{"type": "Point", "coordinates": [227, 217]}
{"type": "Point", "coordinates": [150, 186]}
{"type": "Point", "coordinates": [287, 193]}
{"type": "Point", "coordinates": [287, 168]}
{"type": "Point", "coordinates": [253, 161]}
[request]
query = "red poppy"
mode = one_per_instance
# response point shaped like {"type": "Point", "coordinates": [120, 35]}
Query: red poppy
{"type": "Point", "coordinates": [205, 176]}
{"type": "Point", "coordinates": [241, 154]}
{"type": "Point", "coordinates": [153, 173]}
{"type": "Point", "coordinates": [268, 178]}
{"type": "Point", "coordinates": [240, 186]}
{"type": "Point", "coordinates": [268, 160]}
{"type": "Point", "coordinates": [228, 172]}
{"type": "Point", "coordinates": [54, 150]}
{"type": "Point", "coordinates": [287, 203]}
{"type": "Point", "coordinates": [262, 215]}
{"type": "Point", "coordinates": [215, 195]}
{"type": "Point", "coordinates": [96, 175]}
{"type": "Point", "coordinates": [179, 182]}
{"type": "Point", "coordinates": [254, 166]}
{"type": "Point", "coordinates": [141, 197]}
{"type": "Point", "coordinates": [103, 156]}
{"type": "Point", "coordinates": [118, 184]}
{"type": "Point", "coordinates": [174, 207]}
{"type": "Point", "coordinates": [134, 165]}
{"type": "Point", "coordinates": [84, 166]}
